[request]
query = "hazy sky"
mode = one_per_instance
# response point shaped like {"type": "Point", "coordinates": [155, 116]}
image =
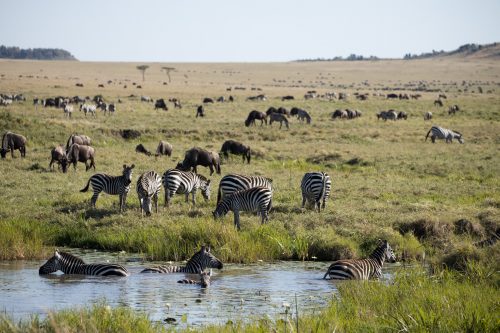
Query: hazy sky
{"type": "Point", "coordinates": [256, 30]}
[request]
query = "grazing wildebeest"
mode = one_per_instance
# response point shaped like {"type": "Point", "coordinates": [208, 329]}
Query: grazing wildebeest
{"type": "Point", "coordinates": [392, 96]}
{"type": "Point", "coordinates": [402, 115]}
{"type": "Point", "coordinates": [160, 104]}
{"type": "Point", "coordinates": [112, 108]}
{"type": "Point", "coordinates": [198, 156]}
{"type": "Point", "coordinates": [301, 114]}
{"type": "Point", "coordinates": [80, 153]}
{"type": "Point", "coordinates": [12, 141]}
{"type": "Point", "coordinates": [271, 109]}
{"type": "Point", "coordinates": [221, 99]}
{"type": "Point", "coordinates": [442, 96]}
{"type": "Point", "coordinates": [141, 149]}
{"type": "Point", "coordinates": [49, 102]}
{"type": "Point", "coordinates": [428, 115]}
{"type": "Point", "coordinates": [200, 111]}
{"type": "Point", "coordinates": [58, 155]}
{"type": "Point", "coordinates": [164, 148]}
{"type": "Point", "coordinates": [287, 98]}
{"type": "Point", "coordinates": [208, 100]}
{"type": "Point", "coordinates": [237, 148]}
{"type": "Point", "coordinates": [342, 114]}
{"type": "Point", "coordinates": [438, 102]}
{"type": "Point", "coordinates": [404, 96]}
{"type": "Point", "coordinates": [231, 98]}
{"type": "Point", "coordinates": [79, 139]}
{"type": "Point", "coordinates": [278, 117]}
{"type": "Point", "coordinates": [255, 115]}
{"type": "Point", "coordinates": [453, 109]}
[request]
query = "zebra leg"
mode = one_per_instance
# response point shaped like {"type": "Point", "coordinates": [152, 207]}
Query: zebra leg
{"type": "Point", "coordinates": [193, 194]}
{"type": "Point", "coordinates": [167, 198]}
{"type": "Point", "coordinates": [155, 200]}
{"type": "Point", "coordinates": [433, 139]}
{"type": "Point", "coordinates": [140, 207]}
{"type": "Point", "coordinates": [186, 196]}
{"type": "Point", "coordinates": [303, 200]}
{"type": "Point", "coordinates": [93, 200]}
{"type": "Point", "coordinates": [237, 219]}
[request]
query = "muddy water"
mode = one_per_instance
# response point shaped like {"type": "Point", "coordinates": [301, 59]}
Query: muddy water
{"type": "Point", "coordinates": [238, 292]}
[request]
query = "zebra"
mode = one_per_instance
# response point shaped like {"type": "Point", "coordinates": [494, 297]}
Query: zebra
{"type": "Point", "coordinates": [443, 133]}
{"type": "Point", "coordinates": [88, 108]}
{"type": "Point", "coordinates": [68, 110]}
{"type": "Point", "coordinates": [301, 114]}
{"type": "Point", "coordinates": [148, 187]}
{"type": "Point", "coordinates": [184, 182]}
{"type": "Point", "coordinates": [362, 269]}
{"type": "Point", "coordinates": [234, 182]}
{"type": "Point", "coordinates": [315, 188]}
{"type": "Point", "coordinates": [196, 264]}
{"type": "Point", "coordinates": [111, 185]}
{"type": "Point", "coordinates": [204, 280]}
{"type": "Point", "coordinates": [428, 115]}
{"type": "Point", "coordinates": [70, 264]}
{"type": "Point", "coordinates": [255, 199]}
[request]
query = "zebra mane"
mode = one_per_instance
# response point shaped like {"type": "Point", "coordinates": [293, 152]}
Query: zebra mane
{"type": "Point", "coordinates": [202, 177]}
{"type": "Point", "coordinates": [379, 249]}
{"type": "Point", "coordinates": [69, 256]}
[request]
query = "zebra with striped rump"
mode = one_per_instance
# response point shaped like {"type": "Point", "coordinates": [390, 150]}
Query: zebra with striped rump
{"type": "Point", "coordinates": [198, 263]}
{"type": "Point", "coordinates": [443, 133]}
{"type": "Point", "coordinates": [362, 269]}
{"type": "Point", "coordinates": [315, 188]}
{"type": "Point", "coordinates": [204, 280]}
{"type": "Point", "coordinates": [114, 185]}
{"type": "Point", "coordinates": [255, 199]}
{"type": "Point", "coordinates": [148, 187]}
{"type": "Point", "coordinates": [88, 108]}
{"type": "Point", "coordinates": [70, 264]}
{"type": "Point", "coordinates": [234, 182]}
{"type": "Point", "coordinates": [184, 182]}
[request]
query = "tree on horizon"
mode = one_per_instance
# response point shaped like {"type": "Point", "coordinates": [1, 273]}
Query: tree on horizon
{"type": "Point", "coordinates": [143, 68]}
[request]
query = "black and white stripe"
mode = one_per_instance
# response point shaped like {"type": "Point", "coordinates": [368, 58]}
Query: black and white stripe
{"type": "Point", "coordinates": [234, 182]}
{"type": "Point", "coordinates": [69, 264]}
{"type": "Point", "coordinates": [255, 199]}
{"type": "Point", "coordinates": [184, 182]}
{"type": "Point", "coordinates": [114, 185]}
{"type": "Point", "coordinates": [362, 269]}
{"type": "Point", "coordinates": [196, 265]}
{"type": "Point", "coordinates": [148, 187]}
{"type": "Point", "coordinates": [315, 188]}
{"type": "Point", "coordinates": [444, 134]}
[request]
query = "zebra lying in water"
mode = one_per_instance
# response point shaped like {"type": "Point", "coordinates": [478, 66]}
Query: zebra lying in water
{"type": "Point", "coordinates": [70, 264]}
{"type": "Point", "coordinates": [198, 263]}
{"type": "Point", "coordinates": [362, 269]}
{"type": "Point", "coordinates": [204, 280]}
{"type": "Point", "coordinates": [444, 134]}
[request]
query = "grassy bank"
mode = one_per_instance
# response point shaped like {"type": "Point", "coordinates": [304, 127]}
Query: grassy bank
{"type": "Point", "coordinates": [414, 302]}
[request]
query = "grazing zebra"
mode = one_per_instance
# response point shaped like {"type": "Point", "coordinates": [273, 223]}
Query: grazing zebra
{"type": "Point", "coordinates": [115, 185]}
{"type": "Point", "coordinates": [69, 264]}
{"type": "Point", "coordinates": [234, 182]}
{"type": "Point", "coordinates": [148, 187]}
{"type": "Point", "coordinates": [184, 182]}
{"type": "Point", "coordinates": [255, 199]}
{"type": "Point", "coordinates": [68, 110]}
{"type": "Point", "coordinates": [204, 280]}
{"type": "Point", "coordinates": [198, 263]}
{"type": "Point", "coordinates": [88, 108]}
{"type": "Point", "coordinates": [453, 109]}
{"type": "Point", "coordinates": [316, 189]}
{"type": "Point", "coordinates": [443, 133]}
{"type": "Point", "coordinates": [301, 114]}
{"type": "Point", "coordinates": [362, 269]}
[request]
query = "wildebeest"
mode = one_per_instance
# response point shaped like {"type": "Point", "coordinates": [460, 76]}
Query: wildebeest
{"type": "Point", "coordinates": [160, 104]}
{"type": "Point", "coordinates": [58, 155]}
{"type": "Point", "coordinates": [49, 102]}
{"type": "Point", "coordinates": [200, 111]}
{"type": "Point", "coordinates": [81, 153]}
{"type": "Point", "coordinates": [141, 149]}
{"type": "Point", "coordinates": [287, 98]}
{"type": "Point", "coordinates": [392, 96]}
{"type": "Point", "coordinates": [12, 141]}
{"type": "Point", "coordinates": [237, 148]}
{"type": "Point", "coordinates": [442, 96]}
{"type": "Point", "coordinates": [428, 115]}
{"type": "Point", "coordinates": [221, 99]}
{"type": "Point", "coordinates": [404, 96]}
{"type": "Point", "coordinates": [164, 148]}
{"type": "Point", "coordinates": [255, 115]}
{"type": "Point", "coordinates": [208, 100]}
{"type": "Point", "coordinates": [231, 98]}
{"type": "Point", "coordinates": [301, 114]}
{"type": "Point", "coordinates": [112, 108]}
{"type": "Point", "coordinates": [402, 115]}
{"type": "Point", "coordinates": [438, 102]}
{"type": "Point", "coordinates": [281, 110]}
{"type": "Point", "coordinates": [342, 114]}
{"type": "Point", "coordinates": [453, 109]}
{"type": "Point", "coordinates": [391, 114]}
{"type": "Point", "coordinates": [198, 156]}
{"type": "Point", "coordinates": [79, 139]}
{"type": "Point", "coordinates": [278, 117]}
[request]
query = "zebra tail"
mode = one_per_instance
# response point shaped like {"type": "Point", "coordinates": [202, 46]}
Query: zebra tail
{"type": "Point", "coordinates": [86, 187]}
{"type": "Point", "coordinates": [428, 134]}
{"type": "Point", "coordinates": [219, 195]}
{"type": "Point", "coordinates": [326, 274]}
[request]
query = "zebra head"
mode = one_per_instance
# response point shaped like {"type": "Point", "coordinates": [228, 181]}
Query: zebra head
{"type": "Point", "coordinates": [52, 265]}
{"type": "Point", "coordinates": [205, 279]}
{"type": "Point", "coordinates": [458, 136]}
{"type": "Point", "coordinates": [205, 187]}
{"type": "Point", "coordinates": [204, 259]}
{"type": "Point", "coordinates": [127, 173]}
{"type": "Point", "coordinates": [221, 209]}
{"type": "Point", "coordinates": [388, 252]}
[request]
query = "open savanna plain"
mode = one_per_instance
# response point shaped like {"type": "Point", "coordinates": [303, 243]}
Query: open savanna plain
{"type": "Point", "coordinates": [430, 201]}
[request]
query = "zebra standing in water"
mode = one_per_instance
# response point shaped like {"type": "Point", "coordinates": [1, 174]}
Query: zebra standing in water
{"type": "Point", "coordinates": [316, 189]}
{"type": "Point", "coordinates": [184, 182]}
{"type": "Point", "coordinates": [234, 182]}
{"type": "Point", "coordinates": [115, 185]}
{"type": "Point", "coordinates": [198, 263]}
{"type": "Point", "coordinates": [70, 264]}
{"type": "Point", "coordinates": [204, 279]}
{"type": "Point", "coordinates": [443, 133]}
{"type": "Point", "coordinates": [255, 199]}
{"type": "Point", "coordinates": [148, 187]}
{"type": "Point", "coordinates": [362, 269]}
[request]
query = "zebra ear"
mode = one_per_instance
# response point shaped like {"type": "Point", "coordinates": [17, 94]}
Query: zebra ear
{"type": "Point", "coordinates": [203, 248]}
{"type": "Point", "coordinates": [124, 166]}
{"type": "Point", "coordinates": [208, 248]}
{"type": "Point", "coordinates": [208, 182]}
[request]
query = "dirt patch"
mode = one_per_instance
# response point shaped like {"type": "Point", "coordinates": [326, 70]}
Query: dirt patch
{"type": "Point", "coordinates": [464, 226]}
{"type": "Point", "coordinates": [425, 229]}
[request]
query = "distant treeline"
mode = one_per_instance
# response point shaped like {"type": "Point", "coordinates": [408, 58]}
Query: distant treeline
{"type": "Point", "coordinates": [352, 57]}
{"type": "Point", "coordinates": [14, 52]}
{"type": "Point", "coordinates": [464, 49]}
